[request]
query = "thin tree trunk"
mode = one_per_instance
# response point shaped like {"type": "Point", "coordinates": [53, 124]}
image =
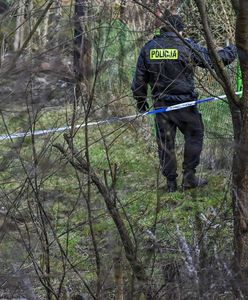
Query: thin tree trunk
{"type": "Point", "coordinates": [3, 50]}
{"type": "Point", "coordinates": [53, 36]}
{"type": "Point", "coordinates": [30, 18]}
{"type": "Point", "coordinates": [19, 34]}
{"type": "Point", "coordinates": [240, 162]}
{"type": "Point", "coordinates": [122, 40]}
{"type": "Point", "coordinates": [79, 39]}
{"type": "Point", "coordinates": [82, 47]}
{"type": "Point", "coordinates": [45, 28]}
{"type": "Point", "coordinates": [119, 276]}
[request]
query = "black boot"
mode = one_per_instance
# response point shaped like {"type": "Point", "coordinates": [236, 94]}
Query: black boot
{"type": "Point", "coordinates": [190, 181]}
{"type": "Point", "coordinates": [171, 186]}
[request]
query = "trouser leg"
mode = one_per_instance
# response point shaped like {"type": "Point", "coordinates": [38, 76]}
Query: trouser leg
{"type": "Point", "coordinates": [193, 131]}
{"type": "Point", "coordinates": [166, 132]}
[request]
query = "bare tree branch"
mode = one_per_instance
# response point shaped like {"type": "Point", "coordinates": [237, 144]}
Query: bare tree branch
{"type": "Point", "coordinates": [109, 197]}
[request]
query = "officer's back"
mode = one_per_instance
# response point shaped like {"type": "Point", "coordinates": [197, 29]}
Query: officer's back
{"type": "Point", "coordinates": [168, 61]}
{"type": "Point", "coordinates": [167, 64]}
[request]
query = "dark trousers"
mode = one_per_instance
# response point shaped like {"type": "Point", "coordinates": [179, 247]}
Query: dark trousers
{"type": "Point", "coordinates": [189, 122]}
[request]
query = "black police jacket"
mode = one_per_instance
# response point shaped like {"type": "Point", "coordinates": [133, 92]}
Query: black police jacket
{"type": "Point", "coordinates": [167, 64]}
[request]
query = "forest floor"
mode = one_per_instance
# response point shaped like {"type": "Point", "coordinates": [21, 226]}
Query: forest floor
{"type": "Point", "coordinates": [129, 150]}
{"type": "Point", "coordinates": [139, 187]}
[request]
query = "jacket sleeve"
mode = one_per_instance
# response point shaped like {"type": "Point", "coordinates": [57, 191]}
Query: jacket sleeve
{"type": "Point", "coordinates": [228, 54]}
{"type": "Point", "coordinates": [141, 79]}
{"type": "Point", "coordinates": [203, 60]}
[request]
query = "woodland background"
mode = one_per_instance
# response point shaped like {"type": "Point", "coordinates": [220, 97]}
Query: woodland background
{"type": "Point", "coordinates": [83, 213]}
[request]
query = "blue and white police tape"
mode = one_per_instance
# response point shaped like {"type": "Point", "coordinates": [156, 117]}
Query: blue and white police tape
{"type": "Point", "coordinates": [111, 120]}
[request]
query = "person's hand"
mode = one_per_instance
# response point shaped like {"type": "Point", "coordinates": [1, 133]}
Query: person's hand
{"type": "Point", "coordinates": [142, 106]}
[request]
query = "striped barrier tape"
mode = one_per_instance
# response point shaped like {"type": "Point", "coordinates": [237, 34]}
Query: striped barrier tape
{"type": "Point", "coordinates": [111, 120]}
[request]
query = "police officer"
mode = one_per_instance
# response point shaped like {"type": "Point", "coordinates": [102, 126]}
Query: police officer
{"type": "Point", "coordinates": [167, 65]}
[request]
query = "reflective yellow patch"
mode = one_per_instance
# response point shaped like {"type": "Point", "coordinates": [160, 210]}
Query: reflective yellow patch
{"type": "Point", "coordinates": [164, 54]}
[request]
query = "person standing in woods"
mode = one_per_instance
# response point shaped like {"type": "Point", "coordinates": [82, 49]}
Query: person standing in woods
{"type": "Point", "coordinates": [166, 64]}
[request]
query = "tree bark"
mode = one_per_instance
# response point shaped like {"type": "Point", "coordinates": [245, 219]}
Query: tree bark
{"type": "Point", "coordinates": [19, 33]}
{"type": "Point", "coordinates": [240, 162]}
{"type": "Point", "coordinates": [56, 21]}
{"type": "Point", "coordinates": [119, 276]}
{"type": "Point", "coordinates": [239, 111]}
{"type": "Point", "coordinates": [45, 29]}
{"type": "Point", "coordinates": [82, 50]}
{"type": "Point", "coordinates": [79, 13]}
